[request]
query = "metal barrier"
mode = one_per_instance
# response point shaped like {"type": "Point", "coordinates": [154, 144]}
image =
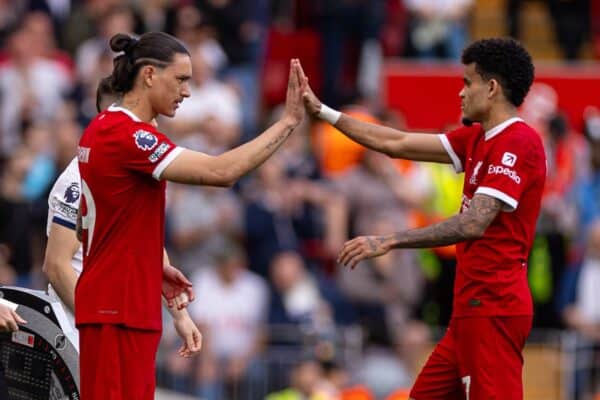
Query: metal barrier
{"type": "Point", "coordinates": [557, 363]}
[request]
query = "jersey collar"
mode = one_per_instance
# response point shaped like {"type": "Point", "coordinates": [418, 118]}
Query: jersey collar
{"type": "Point", "coordinates": [500, 127]}
{"type": "Point", "coordinates": [114, 107]}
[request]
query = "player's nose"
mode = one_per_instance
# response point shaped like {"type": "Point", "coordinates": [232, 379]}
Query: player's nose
{"type": "Point", "coordinates": [185, 90]}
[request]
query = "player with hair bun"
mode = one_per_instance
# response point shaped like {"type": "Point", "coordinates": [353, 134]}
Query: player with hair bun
{"type": "Point", "coordinates": [124, 161]}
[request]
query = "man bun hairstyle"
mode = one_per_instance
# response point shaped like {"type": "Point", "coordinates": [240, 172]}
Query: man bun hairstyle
{"type": "Point", "coordinates": [505, 60]}
{"type": "Point", "coordinates": [152, 48]}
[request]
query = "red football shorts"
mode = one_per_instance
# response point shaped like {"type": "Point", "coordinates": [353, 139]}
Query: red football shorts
{"type": "Point", "coordinates": [116, 362]}
{"type": "Point", "coordinates": [479, 358]}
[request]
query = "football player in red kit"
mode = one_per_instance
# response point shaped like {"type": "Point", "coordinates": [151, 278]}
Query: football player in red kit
{"type": "Point", "coordinates": [124, 161]}
{"type": "Point", "coordinates": [480, 356]}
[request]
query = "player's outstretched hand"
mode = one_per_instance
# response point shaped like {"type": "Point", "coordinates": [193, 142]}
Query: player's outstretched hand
{"type": "Point", "coordinates": [190, 334]}
{"type": "Point", "coordinates": [311, 102]}
{"type": "Point", "coordinates": [176, 288]}
{"type": "Point", "coordinates": [361, 248]}
{"type": "Point", "coordinates": [9, 319]}
{"type": "Point", "coordinates": [294, 109]}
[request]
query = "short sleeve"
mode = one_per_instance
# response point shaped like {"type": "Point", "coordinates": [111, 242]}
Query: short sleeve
{"type": "Point", "coordinates": [508, 169]}
{"type": "Point", "coordinates": [64, 198]}
{"type": "Point", "coordinates": [148, 151]}
{"type": "Point", "coordinates": [456, 144]}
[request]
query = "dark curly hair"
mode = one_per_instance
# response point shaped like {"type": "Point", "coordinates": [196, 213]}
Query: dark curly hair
{"type": "Point", "coordinates": [505, 60]}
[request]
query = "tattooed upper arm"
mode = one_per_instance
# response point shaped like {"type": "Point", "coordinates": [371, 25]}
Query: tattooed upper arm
{"type": "Point", "coordinates": [482, 211]}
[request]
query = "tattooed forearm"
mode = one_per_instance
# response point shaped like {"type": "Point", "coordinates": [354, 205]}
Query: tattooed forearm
{"type": "Point", "coordinates": [279, 139]}
{"type": "Point", "coordinates": [470, 224]}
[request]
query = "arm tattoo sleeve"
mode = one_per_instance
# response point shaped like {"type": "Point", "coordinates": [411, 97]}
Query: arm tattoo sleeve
{"type": "Point", "coordinates": [470, 224]}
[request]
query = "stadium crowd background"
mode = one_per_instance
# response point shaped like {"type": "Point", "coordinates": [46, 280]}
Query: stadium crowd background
{"type": "Point", "coordinates": [275, 310]}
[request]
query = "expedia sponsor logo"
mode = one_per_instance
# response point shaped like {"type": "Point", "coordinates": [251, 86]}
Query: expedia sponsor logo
{"type": "Point", "coordinates": [160, 150]}
{"type": "Point", "coordinates": [509, 159]}
{"type": "Point", "coordinates": [500, 170]}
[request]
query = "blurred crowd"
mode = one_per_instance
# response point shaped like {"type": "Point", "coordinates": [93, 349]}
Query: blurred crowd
{"type": "Point", "coordinates": [277, 314]}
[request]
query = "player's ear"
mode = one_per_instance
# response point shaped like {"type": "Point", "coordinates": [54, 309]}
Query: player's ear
{"type": "Point", "coordinates": [148, 73]}
{"type": "Point", "coordinates": [493, 87]}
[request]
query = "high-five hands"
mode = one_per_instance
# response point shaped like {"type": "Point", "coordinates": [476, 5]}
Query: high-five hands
{"type": "Point", "coordinates": [311, 102]}
{"type": "Point", "coordinates": [297, 83]}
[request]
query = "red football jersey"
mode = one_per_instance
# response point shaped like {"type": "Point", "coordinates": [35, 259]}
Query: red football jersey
{"type": "Point", "coordinates": [121, 160]}
{"type": "Point", "coordinates": [508, 163]}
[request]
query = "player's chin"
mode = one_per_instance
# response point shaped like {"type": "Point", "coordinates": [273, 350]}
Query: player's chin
{"type": "Point", "coordinates": [169, 112]}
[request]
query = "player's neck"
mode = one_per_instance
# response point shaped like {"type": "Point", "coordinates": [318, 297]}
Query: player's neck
{"type": "Point", "coordinates": [138, 105]}
{"type": "Point", "coordinates": [498, 116]}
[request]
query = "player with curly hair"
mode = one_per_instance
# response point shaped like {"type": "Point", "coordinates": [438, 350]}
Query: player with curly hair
{"type": "Point", "coordinates": [480, 356]}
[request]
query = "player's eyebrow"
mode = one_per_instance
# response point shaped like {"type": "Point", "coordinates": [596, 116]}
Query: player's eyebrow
{"type": "Point", "coordinates": [184, 77]}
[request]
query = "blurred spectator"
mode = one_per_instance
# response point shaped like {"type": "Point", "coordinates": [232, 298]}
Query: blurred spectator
{"type": "Point", "coordinates": [439, 264]}
{"type": "Point", "coordinates": [287, 213]}
{"type": "Point", "coordinates": [15, 215]}
{"type": "Point", "coordinates": [66, 136]}
{"type": "Point", "coordinates": [438, 28]}
{"type": "Point", "coordinates": [584, 197]}
{"type": "Point", "coordinates": [189, 24]}
{"type": "Point", "coordinates": [8, 276]}
{"type": "Point", "coordinates": [240, 30]}
{"type": "Point", "coordinates": [118, 19]}
{"type": "Point", "coordinates": [237, 28]}
{"type": "Point", "coordinates": [566, 159]}
{"type": "Point", "coordinates": [153, 13]}
{"type": "Point", "coordinates": [307, 382]}
{"type": "Point", "coordinates": [201, 221]}
{"type": "Point", "coordinates": [382, 371]}
{"type": "Point", "coordinates": [587, 189]}
{"type": "Point", "coordinates": [32, 88]}
{"type": "Point", "coordinates": [86, 95]}
{"type": "Point", "coordinates": [571, 20]}
{"type": "Point", "coordinates": [571, 24]}
{"type": "Point", "coordinates": [377, 189]}
{"type": "Point", "coordinates": [513, 17]}
{"type": "Point", "coordinates": [84, 20]}
{"type": "Point", "coordinates": [210, 119]}
{"type": "Point", "coordinates": [299, 161]}
{"type": "Point", "coordinates": [303, 299]}
{"type": "Point", "coordinates": [383, 291]}
{"type": "Point", "coordinates": [38, 140]}
{"type": "Point", "coordinates": [10, 14]}
{"type": "Point", "coordinates": [336, 153]}
{"type": "Point", "coordinates": [43, 37]}
{"type": "Point", "coordinates": [231, 310]}
{"type": "Point", "coordinates": [558, 216]}
{"type": "Point", "coordinates": [584, 317]}
{"type": "Point", "coordinates": [350, 25]}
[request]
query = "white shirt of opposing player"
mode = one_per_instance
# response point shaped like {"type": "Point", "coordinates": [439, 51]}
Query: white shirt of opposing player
{"type": "Point", "coordinates": [234, 313]}
{"type": "Point", "coordinates": [63, 204]}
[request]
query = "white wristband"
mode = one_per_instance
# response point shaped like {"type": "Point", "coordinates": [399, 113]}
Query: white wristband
{"type": "Point", "coordinates": [329, 114]}
{"type": "Point", "coordinates": [9, 304]}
